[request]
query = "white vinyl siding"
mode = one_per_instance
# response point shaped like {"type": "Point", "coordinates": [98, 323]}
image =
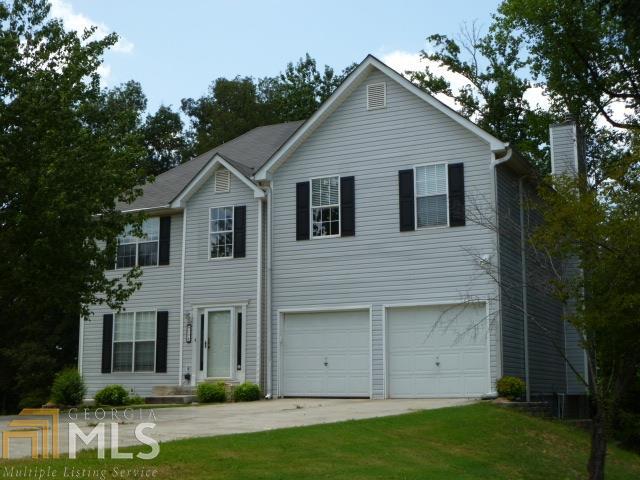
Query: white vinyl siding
{"type": "Point", "coordinates": [432, 203]}
{"type": "Point", "coordinates": [325, 207]}
{"type": "Point", "coordinates": [142, 251]}
{"type": "Point", "coordinates": [221, 232]}
{"type": "Point", "coordinates": [134, 342]}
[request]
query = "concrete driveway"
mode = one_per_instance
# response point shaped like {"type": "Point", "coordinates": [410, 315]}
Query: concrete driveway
{"type": "Point", "coordinates": [222, 419]}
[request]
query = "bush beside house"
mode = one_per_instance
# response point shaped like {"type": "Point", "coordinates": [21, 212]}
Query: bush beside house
{"type": "Point", "coordinates": [212, 392]}
{"type": "Point", "coordinates": [247, 392]}
{"type": "Point", "coordinates": [511, 388]}
{"type": "Point", "coordinates": [68, 388]}
{"type": "Point", "coordinates": [112, 395]}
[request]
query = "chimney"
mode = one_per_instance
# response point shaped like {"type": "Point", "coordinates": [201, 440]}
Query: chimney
{"type": "Point", "coordinates": [566, 148]}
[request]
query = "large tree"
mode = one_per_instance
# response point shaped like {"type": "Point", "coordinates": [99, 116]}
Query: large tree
{"type": "Point", "coordinates": [164, 139]}
{"type": "Point", "coordinates": [68, 151]}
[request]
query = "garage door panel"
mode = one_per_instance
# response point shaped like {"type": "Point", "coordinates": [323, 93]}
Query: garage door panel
{"type": "Point", "coordinates": [437, 351]}
{"type": "Point", "coordinates": [326, 354]}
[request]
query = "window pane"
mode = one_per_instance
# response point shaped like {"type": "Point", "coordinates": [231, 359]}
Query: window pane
{"type": "Point", "coordinates": [326, 221]}
{"type": "Point", "coordinates": [145, 356]}
{"type": "Point", "coordinates": [432, 210]}
{"type": "Point", "coordinates": [122, 357]}
{"type": "Point", "coordinates": [145, 326]}
{"type": "Point", "coordinates": [123, 328]}
{"type": "Point", "coordinates": [431, 180]}
{"type": "Point", "coordinates": [221, 245]}
{"type": "Point", "coordinates": [126, 257]}
{"type": "Point", "coordinates": [127, 236]}
{"type": "Point", "coordinates": [148, 253]}
{"type": "Point", "coordinates": [151, 229]}
{"type": "Point", "coordinates": [325, 191]}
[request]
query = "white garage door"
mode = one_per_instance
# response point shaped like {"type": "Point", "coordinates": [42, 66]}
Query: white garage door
{"type": "Point", "coordinates": [437, 351]}
{"type": "Point", "coordinates": [326, 354]}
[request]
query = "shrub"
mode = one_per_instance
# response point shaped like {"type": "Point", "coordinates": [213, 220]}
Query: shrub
{"type": "Point", "coordinates": [511, 387]}
{"type": "Point", "coordinates": [135, 400]}
{"type": "Point", "coordinates": [113, 395]}
{"type": "Point", "coordinates": [212, 392]}
{"type": "Point", "coordinates": [68, 388]}
{"type": "Point", "coordinates": [247, 392]}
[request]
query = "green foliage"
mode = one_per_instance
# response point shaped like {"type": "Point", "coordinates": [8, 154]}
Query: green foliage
{"type": "Point", "coordinates": [235, 106]}
{"type": "Point", "coordinates": [113, 395]}
{"type": "Point", "coordinates": [135, 400]}
{"type": "Point", "coordinates": [511, 387]}
{"type": "Point", "coordinates": [68, 388]}
{"type": "Point", "coordinates": [212, 392]}
{"type": "Point", "coordinates": [247, 392]}
{"type": "Point", "coordinates": [164, 140]}
{"type": "Point", "coordinates": [68, 151]}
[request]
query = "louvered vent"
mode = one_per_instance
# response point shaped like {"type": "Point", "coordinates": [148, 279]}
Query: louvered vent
{"type": "Point", "coordinates": [221, 184]}
{"type": "Point", "coordinates": [376, 96]}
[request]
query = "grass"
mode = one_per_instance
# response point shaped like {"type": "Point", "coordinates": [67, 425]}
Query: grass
{"type": "Point", "coordinates": [476, 441]}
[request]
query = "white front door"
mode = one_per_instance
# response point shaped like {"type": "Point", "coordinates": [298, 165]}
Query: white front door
{"type": "Point", "coordinates": [326, 354]}
{"type": "Point", "coordinates": [218, 343]}
{"type": "Point", "coordinates": [437, 351]}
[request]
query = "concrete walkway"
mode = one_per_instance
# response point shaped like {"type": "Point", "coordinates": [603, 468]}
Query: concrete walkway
{"type": "Point", "coordinates": [222, 419]}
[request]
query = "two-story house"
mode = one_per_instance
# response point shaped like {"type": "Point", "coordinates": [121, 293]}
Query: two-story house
{"type": "Point", "coordinates": [374, 250]}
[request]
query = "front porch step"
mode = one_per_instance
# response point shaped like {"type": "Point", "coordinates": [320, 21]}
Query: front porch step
{"type": "Point", "coordinates": [170, 399]}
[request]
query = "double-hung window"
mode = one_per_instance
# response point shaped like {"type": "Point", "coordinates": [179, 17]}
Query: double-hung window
{"type": "Point", "coordinates": [142, 251]}
{"type": "Point", "coordinates": [221, 232]}
{"type": "Point", "coordinates": [325, 206]}
{"type": "Point", "coordinates": [431, 195]}
{"type": "Point", "coordinates": [134, 342]}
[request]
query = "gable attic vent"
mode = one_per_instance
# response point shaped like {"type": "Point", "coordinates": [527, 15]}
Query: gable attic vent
{"type": "Point", "coordinates": [376, 95]}
{"type": "Point", "coordinates": [222, 180]}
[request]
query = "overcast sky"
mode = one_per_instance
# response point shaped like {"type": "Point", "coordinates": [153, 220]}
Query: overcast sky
{"type": "Point", "coordinates": [177, 48]}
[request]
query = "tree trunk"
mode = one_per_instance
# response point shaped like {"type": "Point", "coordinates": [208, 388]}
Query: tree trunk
{"type": "Point", "coordinates": [598, 444]}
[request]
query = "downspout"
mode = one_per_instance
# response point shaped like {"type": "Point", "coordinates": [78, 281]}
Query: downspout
{"type": "Point", "coordinates": [523, 268]}
{"type": "Point", "coordinates": [183, 255]}
{"type": "Point", "coordinates": [494, 178]}
{"type": "Point", "coordinates": [268, 280]}
{"type": "Point", "coordinates": [259, 296]}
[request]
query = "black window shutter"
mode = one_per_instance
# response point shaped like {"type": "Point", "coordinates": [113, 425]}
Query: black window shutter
{"type": "Point", "coordinates": [165, 240]}
{"type": "Point", "coordinates": [456, 195]}
{"type": "Point", "coordinates": [239, 343]}
{"type": "Point", "coordinates": [302, 211]}
{"type": "Point", "coordinates": [202, 339]}
{"type": "Point", "coordinates": [347, 206]}
{"type": "Point", "coordinates": [407, 202]}
{"type": "Point", "coordinates": [107, 337]}
{"type": "Point", "coordinates": [239, 231]}
{"type": "Point", "coordinates": [111, 265]}
{"type": "Point", "coordinates": [162, 337]}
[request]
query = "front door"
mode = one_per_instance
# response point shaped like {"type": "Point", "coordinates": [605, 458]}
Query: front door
{"type": "Point", "coordinates": [218, 334]}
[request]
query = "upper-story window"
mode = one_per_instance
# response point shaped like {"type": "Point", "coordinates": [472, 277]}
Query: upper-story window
{"type": "Point", "coordinates": [325, 206]}
{"type": "Point", "coordinates": [221, 232]}
{"type": "Point", "coordinates": [134, 342]}
{"type": "Point", "coordinates": [142, 251]}
{"type": "Point", "coordinates": [431, 195]}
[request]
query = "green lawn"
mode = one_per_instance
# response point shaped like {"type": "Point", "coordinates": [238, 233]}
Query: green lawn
{"type": "Point", "coordinates": [477, 441]}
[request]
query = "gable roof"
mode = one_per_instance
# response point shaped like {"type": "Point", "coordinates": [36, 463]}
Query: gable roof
{"type": "Point", "coordinates": [245, 154]}
{"type": "Point", "coordinates": [353, 80]}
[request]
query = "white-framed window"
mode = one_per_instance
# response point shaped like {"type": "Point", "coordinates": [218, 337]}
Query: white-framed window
{"type": "Point", "coordinates": [142, 251]}
{"type": "Point", "coordinates": [221, 232]}
{"type": "Point", "coordinates": [134, 342]}
{"type": "Point", "coordinates": [325, 207]}
{"type": "Point", "coordinates": [432, 197]}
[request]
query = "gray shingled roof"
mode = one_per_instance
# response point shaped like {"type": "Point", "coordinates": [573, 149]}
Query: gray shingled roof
{"type": "Point", "coordinates": [247, 153]}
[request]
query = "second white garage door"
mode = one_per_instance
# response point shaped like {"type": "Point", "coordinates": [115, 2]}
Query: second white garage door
{"type": "Point", "coordinates": [326, 354]}
{"type": "Point", "coordinates": [437, 351]}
